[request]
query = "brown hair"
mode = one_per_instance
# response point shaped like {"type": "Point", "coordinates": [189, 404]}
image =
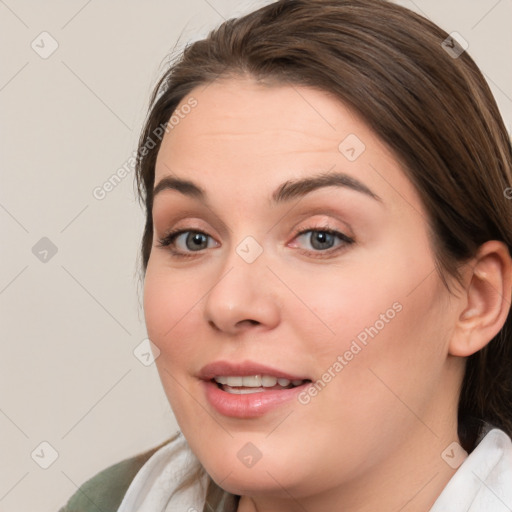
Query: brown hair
{"type": "Point", "coordinates": [434, 110]}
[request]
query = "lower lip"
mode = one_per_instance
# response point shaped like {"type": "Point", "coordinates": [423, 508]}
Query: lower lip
{"type": "Point", "coordinates": [249, 405]}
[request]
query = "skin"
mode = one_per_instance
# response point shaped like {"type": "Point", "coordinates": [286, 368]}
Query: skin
{"type": "Point", "coordinates": [372, 439]}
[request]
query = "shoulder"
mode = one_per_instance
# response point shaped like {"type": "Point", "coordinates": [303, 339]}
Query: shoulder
{"type": "Point", "coordinates": [105, 490]}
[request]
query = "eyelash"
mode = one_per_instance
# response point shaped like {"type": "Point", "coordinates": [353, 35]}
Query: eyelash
{"type": "Point", "coordinates": [169, 238]}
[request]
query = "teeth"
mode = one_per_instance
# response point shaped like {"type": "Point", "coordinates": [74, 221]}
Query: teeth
{"type": "Point", "coordinates": [255, 381]}
{"type": "Point", "coordinates": [268, 382]}
{"type": "Point", "coordinates": [234, 381]}
{"type": "Point", "coordinates": [244, 391]}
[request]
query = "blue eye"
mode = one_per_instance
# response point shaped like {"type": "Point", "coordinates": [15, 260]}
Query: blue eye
{"type": "Point", "coordinates": [324, 240]}
{"type": "Point", "coordinates": [182, 243]}
{"type": "Point", "coordinates": [193, 241]}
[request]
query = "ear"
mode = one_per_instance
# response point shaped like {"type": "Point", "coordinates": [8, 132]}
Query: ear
{"type": "Point", "coordinates": [486, 299]}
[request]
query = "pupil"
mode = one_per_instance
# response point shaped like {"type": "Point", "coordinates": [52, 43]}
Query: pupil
{"type": "Point", "coordinates": [197, 240]}
{"type": "Point", "coordinates": [322, 240]}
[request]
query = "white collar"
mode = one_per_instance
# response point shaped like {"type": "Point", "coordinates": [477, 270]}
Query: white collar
{"type": "Point", "coordinates": [152, 489]}
{"type": "Point", "coordinates": [483, 482]}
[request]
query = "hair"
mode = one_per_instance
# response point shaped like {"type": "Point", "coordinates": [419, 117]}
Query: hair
{"type": "Point", "coordinates": [432, 108]}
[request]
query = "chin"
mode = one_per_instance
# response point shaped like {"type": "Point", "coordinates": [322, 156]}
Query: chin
{"type": "Point", "coordinates": [252, 482]}
{"type": "Point", "coordinates": [268, 475]}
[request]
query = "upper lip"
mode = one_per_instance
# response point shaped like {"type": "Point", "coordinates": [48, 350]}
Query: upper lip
{"type": "Point", "coordinates": [244, 369]}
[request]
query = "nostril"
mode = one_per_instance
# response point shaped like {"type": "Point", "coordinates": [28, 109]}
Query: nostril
{"type": "Point", "coordinates": [249, 320]}
{"type": "Point", "coordinates": [212, 324]}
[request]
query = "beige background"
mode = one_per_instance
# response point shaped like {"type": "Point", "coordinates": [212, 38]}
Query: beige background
{"type": "Point", "coordinates": [69, 376]}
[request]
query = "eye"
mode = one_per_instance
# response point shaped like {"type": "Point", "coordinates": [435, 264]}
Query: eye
{"type": "Point", "coordinates": [323, 239]}
{"type": "Point", "coordinates": [183, 241]}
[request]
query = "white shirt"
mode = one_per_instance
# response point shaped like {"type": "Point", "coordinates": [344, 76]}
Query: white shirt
{"type": "Point", "coordinates": [483, 482]}
{"type": "Point", "coordinates": [152, 488]}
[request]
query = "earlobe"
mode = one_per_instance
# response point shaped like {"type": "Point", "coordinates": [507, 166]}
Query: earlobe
{"type": "Point", "coordinates": [488, 290]}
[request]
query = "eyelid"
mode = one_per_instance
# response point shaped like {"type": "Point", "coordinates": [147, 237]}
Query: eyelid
{"type": "Point", "coordinates": [323, 229]}
{"type": "Point", "coordinates": [189, 216]}
{"type": "Point", "coordinates": [184, 223]}
{"type": "Point", "coordinates": [320, 219]}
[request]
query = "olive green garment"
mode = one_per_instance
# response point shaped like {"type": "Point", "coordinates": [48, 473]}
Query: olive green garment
{"type": "Point", "coordinates": [105, 491]}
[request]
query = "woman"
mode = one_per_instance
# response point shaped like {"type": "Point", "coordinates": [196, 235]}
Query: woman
{"type": "Point", "coordinates": [327, 271]}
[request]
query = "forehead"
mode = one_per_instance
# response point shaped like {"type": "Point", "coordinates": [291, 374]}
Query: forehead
{"type": "Point", "coordinates": [252, 136]}
{"type": "Point", "coordinates": [234, 111]}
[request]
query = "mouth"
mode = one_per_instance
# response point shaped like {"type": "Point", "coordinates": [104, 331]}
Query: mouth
{"type": "Point", "coordinates": [247, 384]}
{"type": "Point", "coordinates": [249, 389]}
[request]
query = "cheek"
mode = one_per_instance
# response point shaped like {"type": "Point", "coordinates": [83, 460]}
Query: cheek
{"type": "Point", "coordinates": [171, 308]}
{"type": "Point", "coordinates": [386, 318]}
{"type": "Point", "coordinates": [167, 298]}
{"type": "Point", "coordinates": [356, 300]}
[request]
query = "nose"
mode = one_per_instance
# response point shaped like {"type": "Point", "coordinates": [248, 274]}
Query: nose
{"type": "Point", "coordinates": [243, 297]}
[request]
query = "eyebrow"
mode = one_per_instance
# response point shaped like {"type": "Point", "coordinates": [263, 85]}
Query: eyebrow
{"type": "Point", "coordinates": [290, 189]}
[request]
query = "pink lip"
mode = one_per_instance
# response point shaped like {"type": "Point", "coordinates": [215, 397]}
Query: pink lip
{"type": "Point", "coordinates": [246, 368]}
{"type": "Point", "coordinates": [249, 405]}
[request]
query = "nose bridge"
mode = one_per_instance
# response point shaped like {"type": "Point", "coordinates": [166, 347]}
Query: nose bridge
{"type": "Point", "coordinates": [243, 293]}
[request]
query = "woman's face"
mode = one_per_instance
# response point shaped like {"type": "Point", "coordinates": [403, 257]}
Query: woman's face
{"type": "Point", "coordinates": [352, 309]}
